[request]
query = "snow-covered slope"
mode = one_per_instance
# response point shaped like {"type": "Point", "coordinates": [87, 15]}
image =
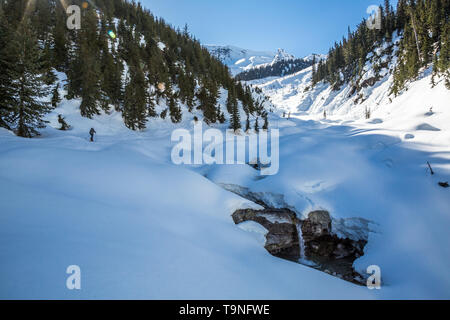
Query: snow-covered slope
{"type": "Point", "coordinates": [137, 225]}
{"type": "Point", "coordinates": [315, 56]}
{"type": "Point", "coordinates": [140, 227]}
{"type": "Point", "coordinates": [295, 94]}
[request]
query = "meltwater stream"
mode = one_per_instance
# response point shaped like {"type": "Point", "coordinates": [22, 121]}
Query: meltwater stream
{"type": "Point", "coordinates": [303, 260]}
{"type": "Point", "coordinates": [301, 241]}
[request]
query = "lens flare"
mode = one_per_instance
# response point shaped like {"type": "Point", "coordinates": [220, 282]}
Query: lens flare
{"type": "Point", "coordinates": [161, 86]}
{"type": "Point", "coordinates": [112, 34]}
{"type": "Point", "coordinates": [64, 4]}
{"type": "Point", "coordinates": [29, 7]}
{"type": "Point", "coordinates": [88, 3]}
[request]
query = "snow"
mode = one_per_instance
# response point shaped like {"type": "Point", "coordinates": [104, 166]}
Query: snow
{"type": "Point", "coordinates": [259, 232]}
{"type": "Point", "coordinates": [316, 56]}
{"type": "Point", "coordinates": [141, 227]}
{"type": "Point", "coordinates": [161, 46]}
{"type": "Point", "coordinates": [371, 174]}
{"type": "Point", "coordinates": [239, 60]}
{"type": "Point", "coordinates": [137, 225]}
{"type": "Point", "coordinates": [282, 55]}
{"type": "Point", "coordinates": [376, 185]}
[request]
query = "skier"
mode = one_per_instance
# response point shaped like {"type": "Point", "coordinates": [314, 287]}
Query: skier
{"type": "Point", "coordinates": [92, 132]}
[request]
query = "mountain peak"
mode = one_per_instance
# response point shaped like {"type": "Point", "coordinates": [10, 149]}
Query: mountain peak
{"type": "Point", "coordinates": [282, 55]}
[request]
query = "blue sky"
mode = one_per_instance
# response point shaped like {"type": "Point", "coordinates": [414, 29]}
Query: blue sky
{"type": "Point", "coordinates": [298, 26]}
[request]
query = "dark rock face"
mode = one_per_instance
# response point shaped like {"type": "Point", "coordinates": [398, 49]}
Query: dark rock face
{"type": "Point", "coordinates": [320, 242]}
{"type": "Point", "coordinates": [332, 254]}
{"type": "Point", "coordinates": [317, 225]}
{"type": "Point", "coordinates": [326, 250]}
{"type": "Point", "coordinates": [282, 239]}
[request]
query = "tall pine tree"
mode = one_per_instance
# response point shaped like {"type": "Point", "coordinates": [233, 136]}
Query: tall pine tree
{"type": "Point", "coordinates": [26, 66]}
{"type": "Point", "coordinates": [235, 121]}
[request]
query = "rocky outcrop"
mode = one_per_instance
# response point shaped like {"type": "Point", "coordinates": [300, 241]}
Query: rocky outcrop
{"type": "Point", "coordinates": [331, 253]}
{"type": "Point", "coordinates": [321, 243]}
{"type": "Point", "coordinates": [327, 251]}
{"type": "Point", "coordinates": [282, 239]}
{"type": "Point", "coordinates": [316, 225]}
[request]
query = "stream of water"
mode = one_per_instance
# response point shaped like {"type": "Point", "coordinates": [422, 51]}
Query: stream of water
{"type": "Point", "coordinates": [303, 260]}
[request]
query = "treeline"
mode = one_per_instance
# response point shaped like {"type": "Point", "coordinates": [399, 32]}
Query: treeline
{"type": "Point", "coordinates": [424, 29]}
{"type": "Point", "coordinates": [278, 69]}
{"type": "Point", "coordinates": [123, 57]}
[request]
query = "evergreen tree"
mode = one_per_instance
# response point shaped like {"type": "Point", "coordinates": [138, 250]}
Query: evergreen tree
{"type": "Point", "coordinates": [208, 99]}
{"type": "Point", "coordinates": [60, 50]}
{"type": "Point", "coordinates": [247, 123]}
{"type": "Point", "coordinates": [444, 57]}
{"type": "Point", "coordinates": [111, 79]}
{"type": "Point", "coordinates": [6, 100]}
{"type": "Point", "coordinates": [266, 121]}
{"type": "Point", "coordinates": [256, 125]}
{"type": "Point", "coordinates": [231, 99]}
{"type": "Point", "coordinates": [134, 108]}
{"type": "Point", "coordinates": [278, 69]}
{"type": "Point", "coordinates": [422, 26]}
{"type": "Point", "coordinates": [164, 113]}
{"type": "Point", "coordinates": [90, 66]}
{"type": "Point", "coordinates": [56, 99]}
{"type": "Point", "coordinates": [174, 110]}
{"type": "Point", "coordinates": [235, 121]}
{"type": "Point", "coordinates": [220, 116]}
{"type": "Point", "coordinates": [25, 65]}
{"type": "Point", "coordinates": [94, 61]}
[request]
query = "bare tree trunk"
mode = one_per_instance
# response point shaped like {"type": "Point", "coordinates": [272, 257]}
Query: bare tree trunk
{"type": "Point", "coordinates": [431, 170]}
{"type": "Point", "coordinates": [415, 34]}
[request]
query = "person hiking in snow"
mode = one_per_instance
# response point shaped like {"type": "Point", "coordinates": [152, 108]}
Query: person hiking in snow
{"type": "Point", "coordinates": [92, 132]}
{"type": "Point", "coordinates": [64, 125]}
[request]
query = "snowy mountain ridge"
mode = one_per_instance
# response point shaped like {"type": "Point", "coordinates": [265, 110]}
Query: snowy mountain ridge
{"type": "Point", "coordinates": [282, 55]}
{"type": "Point", "coordinates": [239, 59]}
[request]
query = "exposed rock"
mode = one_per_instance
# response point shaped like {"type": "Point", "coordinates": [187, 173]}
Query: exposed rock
{"type": "Point", "coordinates": [329, 252]}
{"type": "Point", "coordinates": [444, 184]}
{"type": "Point", "coordinates": [317, 225]}
{"type": "Point", "coordinates": [327, 249]}
{"type": "Point", "coordinates": [321, 242]}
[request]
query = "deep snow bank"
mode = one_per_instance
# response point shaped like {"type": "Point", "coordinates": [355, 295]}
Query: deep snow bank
{"type": "Point", "coordinates": [138, 226]}
{"type": "Point", "coordinates": [141, 227]}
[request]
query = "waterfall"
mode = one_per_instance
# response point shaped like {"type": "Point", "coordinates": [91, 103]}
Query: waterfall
{"type": "Point", "coordinates": [303, 260]}
{"type": "Point", "coordinates": [301, 241]}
